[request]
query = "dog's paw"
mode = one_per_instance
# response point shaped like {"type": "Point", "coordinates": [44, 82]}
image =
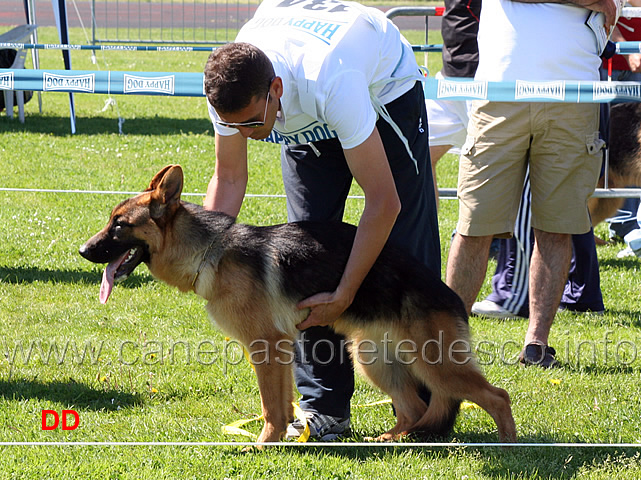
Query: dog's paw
{"type": "Point", "coordinates": [252, 449]}
{"type": "Point", "coordinates": [386, 437]}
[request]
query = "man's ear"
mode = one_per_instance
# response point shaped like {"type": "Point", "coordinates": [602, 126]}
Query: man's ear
{"type": "Point", "coordinates": [165, 188]}
{"type": "Point", "coordinates": [277, 85]}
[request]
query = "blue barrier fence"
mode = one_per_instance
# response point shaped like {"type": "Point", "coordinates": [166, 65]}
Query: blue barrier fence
{"type": "Point", "coordinates": [191, 85]}
{"type": "Point", "coordinates": [108, 82]}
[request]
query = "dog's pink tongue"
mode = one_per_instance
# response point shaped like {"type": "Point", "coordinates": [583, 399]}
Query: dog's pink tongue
{"type": "Point", "coordinates": [108, 278]}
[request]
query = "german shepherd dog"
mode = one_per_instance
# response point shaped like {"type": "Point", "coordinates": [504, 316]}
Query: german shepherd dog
{"type": "Point", "coordinates": [253, 277]}
{"type": "Point", "coordinates": [624, 168]}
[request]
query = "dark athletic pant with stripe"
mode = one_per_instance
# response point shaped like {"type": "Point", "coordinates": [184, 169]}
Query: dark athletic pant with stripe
{"type": "Point", "coordinates": [317, 187]}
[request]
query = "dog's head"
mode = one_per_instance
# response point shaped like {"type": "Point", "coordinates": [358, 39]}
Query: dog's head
{"type": "Point", "coordinates": [135, 228]}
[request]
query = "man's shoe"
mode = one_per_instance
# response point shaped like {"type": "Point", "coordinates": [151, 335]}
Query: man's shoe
{"type": "Point", "coordinates": [321, 427]}
{"type": "Point", "coordinates": [487, 308]}
{"type": "Point", "coordinates": [626, 252]}
{"type": "Point", "coordinates": [539, 355]}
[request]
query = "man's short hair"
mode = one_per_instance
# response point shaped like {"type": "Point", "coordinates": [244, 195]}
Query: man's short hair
{"type": "Point", "coordinates": [236, 73]}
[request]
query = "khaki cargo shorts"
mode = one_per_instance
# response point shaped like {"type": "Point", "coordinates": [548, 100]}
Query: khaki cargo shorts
{"type": "Point", "coordinates": [560, 143]}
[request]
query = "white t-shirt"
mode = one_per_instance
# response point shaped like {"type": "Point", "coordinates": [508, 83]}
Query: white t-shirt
{"type": "Point", "coordinates": [342, 53]}
{"type": "Point", "coordinates": [535, 41]}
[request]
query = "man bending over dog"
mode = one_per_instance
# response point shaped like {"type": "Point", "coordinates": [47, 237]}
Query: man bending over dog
{"type": "Point", "coordinates": [339, 88]}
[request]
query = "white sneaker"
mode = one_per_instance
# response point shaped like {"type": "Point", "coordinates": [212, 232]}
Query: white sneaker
{"type": "Point", "coordinates": [321, 427]}
{"type": "Point", "coordinates": [626, 252]}
{"type": "Point", "coordinates": [633, 241]}
{"type": "Point", "coordinates": [487, 308]}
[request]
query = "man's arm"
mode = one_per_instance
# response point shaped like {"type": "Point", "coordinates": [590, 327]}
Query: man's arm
{"type": "Point", "coordinates": [226, 189]}
{"type": "Point", "coordinates": [370, 167]}
{"type": "Point", "coordinates": [608, 7]}
{"type": "Point", "coordinates": [634, 59]}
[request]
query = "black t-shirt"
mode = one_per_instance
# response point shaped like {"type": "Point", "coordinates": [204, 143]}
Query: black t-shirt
{"type": "Point", "coordinates": [459, 27]}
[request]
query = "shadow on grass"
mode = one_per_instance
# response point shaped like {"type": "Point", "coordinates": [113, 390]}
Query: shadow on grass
{"type": "Point", "coordinates": [557, 462]}
{"type": "Point", "coordinates": [21, 275]}
{"type": "Point", "coordinates": [609, 369]}
{"type": "Point", "coordinates": [60, 126]}
{"type": "Point", "coordinates": [537, 462]}
{"type": "Point", "coordinates": [626, 262]}
{"type": "Point", "coordinates": [625, 318]}
{"type": "Point", "coordinates": [69, 393]}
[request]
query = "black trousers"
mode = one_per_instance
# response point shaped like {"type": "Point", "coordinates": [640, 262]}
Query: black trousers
{"type": "Point", "coordinates": [317, 181]}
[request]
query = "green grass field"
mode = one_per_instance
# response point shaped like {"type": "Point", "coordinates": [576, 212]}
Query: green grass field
{"type": "Point", "coordinates": [149, 366]}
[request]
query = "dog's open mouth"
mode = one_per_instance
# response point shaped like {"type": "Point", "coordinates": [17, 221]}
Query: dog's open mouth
{"type": "Point", "coordinates": [119, 270]}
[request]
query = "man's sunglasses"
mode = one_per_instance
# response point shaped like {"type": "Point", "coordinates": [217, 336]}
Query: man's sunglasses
{"type": "Point", "coordinates": [254, 124]}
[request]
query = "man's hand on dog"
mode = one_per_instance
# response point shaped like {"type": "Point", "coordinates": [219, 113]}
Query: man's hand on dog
{"type": "Point", "coordinates": [325, 308]}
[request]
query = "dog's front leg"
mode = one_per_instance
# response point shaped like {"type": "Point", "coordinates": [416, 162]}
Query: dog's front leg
{"type": "Point", "coordinates": [273, 365]}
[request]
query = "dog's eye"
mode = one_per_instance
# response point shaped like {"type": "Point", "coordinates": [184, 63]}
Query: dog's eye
{"type": "Point", "coordinates": [119, 225]}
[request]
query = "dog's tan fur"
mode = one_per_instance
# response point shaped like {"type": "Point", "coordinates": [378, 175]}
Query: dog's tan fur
{"type": "Point", "coordinates": [624, 167]}
{"type": "Point", "coordinates": [255, 310]}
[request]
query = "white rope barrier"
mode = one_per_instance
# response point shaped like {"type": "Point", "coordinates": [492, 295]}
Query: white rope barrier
{"type": "Point", "coordinates": [443, 193]}
{"type": "Point", "coordinates": [324, 444]}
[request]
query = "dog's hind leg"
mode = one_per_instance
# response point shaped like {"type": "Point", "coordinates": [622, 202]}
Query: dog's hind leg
{"type": "Point", "coordinates": [274, 374]}
{"type": "Point", "coordinates": [409, 407]}
{"type": "Point", "coordinates": [399, 383]}
{"type": "Point", "coordinates": [494, 401]}
{"type": "Point", "coordinates": [448, 369]}
{"type": "Point", "coordinates": [449, 386]}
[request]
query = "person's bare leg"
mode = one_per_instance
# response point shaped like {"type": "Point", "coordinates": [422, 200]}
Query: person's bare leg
{"type": "Point", "coordinates": [436, 153]}
{"type": "Point", "coordinates": [549, 269]}
{"type": "Point", "coordinates": [467, 266]}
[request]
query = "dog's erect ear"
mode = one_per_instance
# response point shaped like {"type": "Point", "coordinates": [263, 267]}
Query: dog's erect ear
{"type": "Point", "coordinates": [166, 188]}
{"type": "Point", "coordinates": [158, 177]}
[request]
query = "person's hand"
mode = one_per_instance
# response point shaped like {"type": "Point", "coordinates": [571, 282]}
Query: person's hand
{"type": "Point", "coordinates": [325, 308]}
{"type": "Point", "coordinates": [634, 60]}
{"type": "Point", "coordinates": [607, 7]}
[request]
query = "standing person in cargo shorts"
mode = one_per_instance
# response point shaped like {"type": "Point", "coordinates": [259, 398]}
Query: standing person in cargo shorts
{"type": "Point", "coordinates": [559, 142]}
